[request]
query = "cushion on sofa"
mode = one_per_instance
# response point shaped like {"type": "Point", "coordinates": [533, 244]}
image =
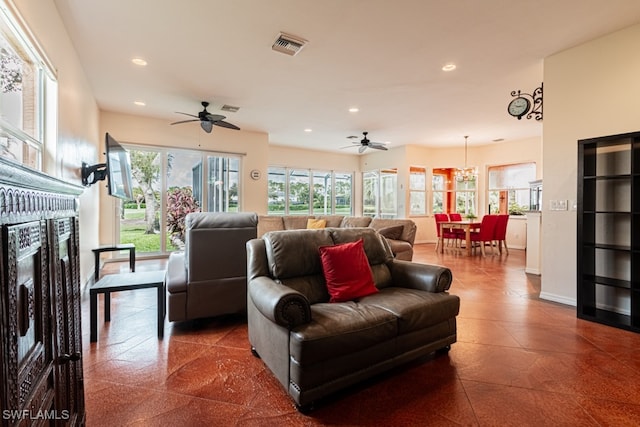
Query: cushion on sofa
{"type": "Point", "coordinates": [414, 309]}
{"type": "Point", "coordinates": [338, 329]}
{"type": "Point", "coordinates": [346, 271]}
{"type": "Point", "coordinates": [392, 232]}
{"type": "Point", "coordinates": [332, 220]}
{"type": "Point", "coordinates": [295, 222]}
{"type": "Point", "coordinates": [355, 221]}
{"type": "Point", "coordinates": [314, 224]}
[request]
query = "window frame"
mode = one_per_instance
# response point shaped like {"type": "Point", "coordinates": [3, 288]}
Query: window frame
{"type": "Point", "coordinates": [418, 190]}
{"type": "Point", "coordinates": [311, 174]}
{"type": "Point", "coordinates": [41, 118]}
{"type": "Point", "coordinates": [507, 195]}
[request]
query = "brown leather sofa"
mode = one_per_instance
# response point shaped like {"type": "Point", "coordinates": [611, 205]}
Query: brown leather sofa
{"type": "Point", "coordinates": [210, 277]}
{"type": "Point", "coordinates": [401, 242]}
{"type": "Point", "coordinates": [315, 348]}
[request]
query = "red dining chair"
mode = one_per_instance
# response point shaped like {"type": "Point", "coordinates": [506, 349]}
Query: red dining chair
{"type": "Point", "coordinates": [486, 232]}
{"type": "Point", "coordinates": [460, 233]}
{"type": "Point", "coordinates": [448, 234]}
{"type": "Point", "coordinates": [500, 232]}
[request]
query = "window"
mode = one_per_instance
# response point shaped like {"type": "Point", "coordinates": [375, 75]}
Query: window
{"type": "Point", "coordinates": [295, 191]}
{"type": "Point", "coordinates": [509, 188]}
{"type": "Point", "coordinates": [322, 193]}
{"type": "Point", "coordinates": [28, 94]}
{"type": "Point", "coordinates": [299, 192]}
{"type": "Point", "coordinates": [379, 195]}
{"type": "Point", "coordinates": [417, 190]}
{"type": "Point", "coordinates": [169, 184]}
{"type": "Point", "coordinates": [451, 195]}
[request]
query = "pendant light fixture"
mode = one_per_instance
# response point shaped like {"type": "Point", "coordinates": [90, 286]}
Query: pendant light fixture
{"type": "Point", "coordinates": [467, 173]}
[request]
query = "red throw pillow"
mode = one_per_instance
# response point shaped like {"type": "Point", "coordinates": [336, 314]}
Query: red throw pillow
{"type": "Point", "coordinates": [346, 271]}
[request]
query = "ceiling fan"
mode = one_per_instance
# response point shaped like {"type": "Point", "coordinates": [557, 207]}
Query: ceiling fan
{"type": "Point", "coordinates": [365, 143]}
{"type": "Point", "coordinates": [207, 120]}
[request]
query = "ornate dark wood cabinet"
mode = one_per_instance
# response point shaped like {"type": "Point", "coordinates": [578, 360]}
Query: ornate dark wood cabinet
{"type": "Point", "coordinates": [41, 375]}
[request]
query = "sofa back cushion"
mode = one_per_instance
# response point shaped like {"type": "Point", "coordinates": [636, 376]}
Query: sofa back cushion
{"type": "Point", "coordinates": [293, 257]}
{"type": "Point", "coordinates": [409, 227]}
{"type": "Point", "coordinates": [355, 221]}
{"type": "Point", "coordinates": [375, 246]}
{"type": "Point", "coordinates": [267, 223]}
{"type": "Point", "coordinates": [296, 222]}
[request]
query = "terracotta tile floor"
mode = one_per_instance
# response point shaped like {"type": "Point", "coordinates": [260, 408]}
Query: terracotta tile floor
{"type": "Point", "coordinates": [518, 361]}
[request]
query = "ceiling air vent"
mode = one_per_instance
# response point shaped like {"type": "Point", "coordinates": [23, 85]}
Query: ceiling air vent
{"type": "Point", "coordinates": [230, 108]}
{"type": "Point", "coordinates": [288, 44]}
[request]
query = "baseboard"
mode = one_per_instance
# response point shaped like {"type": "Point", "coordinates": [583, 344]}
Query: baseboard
{"type": "Point", "coordinates": [558, 298]}
{"type": "Point", "coordinates": [532, 271]}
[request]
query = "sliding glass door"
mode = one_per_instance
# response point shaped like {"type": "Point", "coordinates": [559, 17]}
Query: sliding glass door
{"type": "Point", "coordinates": [169, 184]}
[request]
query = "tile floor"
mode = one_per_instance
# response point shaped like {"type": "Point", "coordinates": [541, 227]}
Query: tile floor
{"type": "Point", "coordinates": [519, 361]}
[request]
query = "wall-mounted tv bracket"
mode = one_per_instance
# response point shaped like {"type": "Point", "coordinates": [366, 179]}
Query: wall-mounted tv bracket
{"type": "Point", "coordinates": [94, 173]}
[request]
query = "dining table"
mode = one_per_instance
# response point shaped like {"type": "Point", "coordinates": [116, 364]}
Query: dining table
{"type": "Point", "coordinates": [466, 225]}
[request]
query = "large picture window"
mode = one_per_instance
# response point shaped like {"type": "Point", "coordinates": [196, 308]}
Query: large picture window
{"type": "Point", "coordinates": [28, 94]}
{"type": "Point", "coordinates": [294, 191]}
{"type": "Point", "coordinates": [379, 193]}
{"type": "Point", "coordinates": [509, 188]}
{"type": "Point", "coordinates": [452, 195]}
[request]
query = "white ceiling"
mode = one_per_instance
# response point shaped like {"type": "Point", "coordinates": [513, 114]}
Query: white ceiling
{"type": "Point", "coordinates": [383, 56]}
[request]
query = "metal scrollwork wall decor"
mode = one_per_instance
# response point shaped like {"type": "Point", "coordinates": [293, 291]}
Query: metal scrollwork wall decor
{"type": "Point", "coordinates": [526, 104]}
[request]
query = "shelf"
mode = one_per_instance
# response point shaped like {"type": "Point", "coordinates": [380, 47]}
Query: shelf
{"type": "Point", "coordinates": [608, 235]}
{"type": "Point", "coordinates": [621, 248]}
{"type": "Point", "coordinates": [610, 318]}
{"type": "Point", "coordinates": [608, 281]}
{"type": "Point", "coordinates": [607, 177]}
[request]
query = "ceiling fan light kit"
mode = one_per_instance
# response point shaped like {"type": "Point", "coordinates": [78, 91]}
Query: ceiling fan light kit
{"type": "Point", "coordinates": [207, 120]}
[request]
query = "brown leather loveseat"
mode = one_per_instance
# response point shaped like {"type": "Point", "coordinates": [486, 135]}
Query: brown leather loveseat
{"type": "Point", "coordinates": [315, 347]}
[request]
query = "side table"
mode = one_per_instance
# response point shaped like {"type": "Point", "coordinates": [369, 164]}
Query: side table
{"type": "Point", "coordinates": [112, 248]}
{"type": "Point", "coordinates": [125, 282]}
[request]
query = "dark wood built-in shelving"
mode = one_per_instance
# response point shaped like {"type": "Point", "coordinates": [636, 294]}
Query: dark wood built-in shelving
{"type": "Point", "coordinates": [608, 232]}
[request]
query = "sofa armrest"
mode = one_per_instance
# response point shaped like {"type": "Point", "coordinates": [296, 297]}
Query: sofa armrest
{"type": "Point", "coordinates": [176, 277]}
{"type": "Point", "coordinates": [427, 277]}
{"type": "Point", "coordinates": [278, 303]}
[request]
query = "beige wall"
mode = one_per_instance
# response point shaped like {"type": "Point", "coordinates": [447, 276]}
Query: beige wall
{"type": "Point", "coordinates": [590, 90]}
{"type": "Point", "coordinates": [77, 118]}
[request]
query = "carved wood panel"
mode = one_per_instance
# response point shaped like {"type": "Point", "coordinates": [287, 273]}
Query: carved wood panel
{"type": "Point", "coordinates": [40, 335]}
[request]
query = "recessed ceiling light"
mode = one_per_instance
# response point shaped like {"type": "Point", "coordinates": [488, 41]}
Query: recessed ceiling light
{"type": "Point", "coordinates": [139, 61]}
{"type": "Point", "coordinates": [449, 67]}
{"type": "Point", "coordinates": [140, 103]}
{"type": "Point", "coordinates": [354, 109]}
{"type": "Point", "coordinates": [308, 130]}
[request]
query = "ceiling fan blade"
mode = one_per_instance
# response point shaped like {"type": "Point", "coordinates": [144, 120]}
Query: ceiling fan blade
{"type": "Point", "coordinates": [206, 126]}
{"type": "Point", "coordinates": [187, 114]}
{"type": "Point", "coordinates": [378, 146]}
{"type": "Point", "coordinates": [224, 124]}
{"type": "Point", "coordinates": [184, 121]}
{"type": "Point", "coordinates": [362, 148]}
{"type": "Point", "coordinates": [214, 117]}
